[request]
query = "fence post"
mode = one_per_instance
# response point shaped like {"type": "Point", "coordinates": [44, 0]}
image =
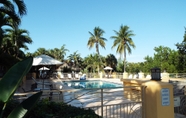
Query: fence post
{"type": "Point", "coordinates": [101, 102]}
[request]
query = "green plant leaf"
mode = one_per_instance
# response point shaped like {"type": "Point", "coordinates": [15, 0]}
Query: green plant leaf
{"type": "Point", "coordinates": [12, 79]}
{"type": "Point", "coordinates": [25, 106]}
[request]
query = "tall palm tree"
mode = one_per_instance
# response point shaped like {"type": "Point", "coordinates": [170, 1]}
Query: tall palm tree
{"type": "Point", "coordinates": [123, 42]}
{"type": "Point", "coordinates": [97, 39]}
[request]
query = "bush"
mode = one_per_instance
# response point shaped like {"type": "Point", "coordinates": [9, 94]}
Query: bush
{"type": "Point", "coordinates": [48, 109]}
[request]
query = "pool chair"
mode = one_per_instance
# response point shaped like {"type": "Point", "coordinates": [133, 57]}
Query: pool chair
{"type": "Point", "coordinates": [135, 76]}
{"type": "Point", "coordinates": [148, 77]}
{"type": "Point", "coordinates": [62, 76]}
{"type": "Point", "coordinates": [130, 76]}
{"type": "Point", "coordinates": [77, 76]}
{"type": "Point", "coordinates": [69, 76]}
{"type": "Point", "coordinates": [83, 77]}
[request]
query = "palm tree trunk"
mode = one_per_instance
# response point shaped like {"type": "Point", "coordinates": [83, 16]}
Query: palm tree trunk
{"type": "Point", "coordinates": [97, 49]}
{"type": "Point", "coordinates": [124, 60]}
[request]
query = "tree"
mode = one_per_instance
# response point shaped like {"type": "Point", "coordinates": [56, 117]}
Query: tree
{"type": "Point", "coordinates": [63, 51]}
{"type": "Point", "coordinates": [40, 51]}
{"type": "Point", "coordinates": [8, 14]}
{"type": "Point", "coordinates": [8, 7]}
{"type": "Point", "coordinates": [111, 61]}
{"type": "Point", "coordinates": [123, 42]}
{"type": "Point", "coordinates": [97, 39]}
{"type": "Point", "coordinates": [92, 62]}
{"type": "Point", "coordinates": [19, 38]}
{"type": "Point", "coordinates": [75, 60]}
{"type": "Point", "coordinates": [11, 12]}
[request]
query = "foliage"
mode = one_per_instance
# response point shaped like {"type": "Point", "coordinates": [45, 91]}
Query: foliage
{"type": "Point", "coordinates": [93, 63]}
{"type": "Point", "coordinates": [119, 67]}
{"type": "Point", "coordinates": [10, 82]}
{"type": "Point", "coordinates": [111, 61]}
{"type": "Point", "coordinates": [123, 42]}
{"type": "Point", "coordinates": [182, 56]}
{"type": "Point", "coordinates": [97, 39]}
{"type": "Point", "coordinates": [11, 12]}
{"type": "Point", "coordinates": [164, 58]}
{"type": "Point", "coordinates": [75, 60]}
{"type": "Point", "coordinates": [48, 109]}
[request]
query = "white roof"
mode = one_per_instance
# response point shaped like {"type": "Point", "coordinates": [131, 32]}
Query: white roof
{"type": "Point", "coordinates": [45, 60]}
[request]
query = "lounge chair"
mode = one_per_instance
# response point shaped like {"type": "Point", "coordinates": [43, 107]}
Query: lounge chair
{"type": "Point", "coordinates": [69, 76]}
{"type": "Point", "coordinates": [62, 76]}
{"type": "Point", "coordinates": [130, 76]}
{"type": "Point", "coordinates": [135, 76]}
{"type": "Point", "coordinates": [148, 77]}
{"type": "Point", "coordinates": [77, 76]}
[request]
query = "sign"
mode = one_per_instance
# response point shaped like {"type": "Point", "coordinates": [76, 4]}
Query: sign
{"type": "Point", "coordinates": [165, 97]}
{"type": "Point", "coordinates": [176, 101]}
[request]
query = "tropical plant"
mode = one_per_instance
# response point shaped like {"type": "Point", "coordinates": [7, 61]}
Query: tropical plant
{"type": "Point", "coordinates": [58, 54]}
{"type": "Point", "coordinates": [9, 84]}
{"type": "Point", "coordinates": [18, 38]}
{"type": "Point", "coordinates": [9, 15]}
{"type": "Point", "coordinates": [92, 62]}
{"type": "Point", "coordinates": [51, 109]}
{"type": "Point", "coordinates": [111, 61]}
{"type": "Point", "coordinates": [97, 39]}
{"type": "Point", "coordinates": [123, 42]}
{"type": "Point", "coordinates": [40, 51]}
{"type": "Point", "coordinates": [75, 60]}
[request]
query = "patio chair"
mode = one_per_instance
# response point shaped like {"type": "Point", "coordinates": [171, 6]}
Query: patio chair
{"type": "Point", "coordinates": [77, 76]}
{"type": "Point", "coordinates": [69, 76]}
{"type": "Point", "coordinates": [62, 76]}
{"type": "Point", "coordinates": [148, 77]}
{"type": "Point", "coordinates": [130, 76]}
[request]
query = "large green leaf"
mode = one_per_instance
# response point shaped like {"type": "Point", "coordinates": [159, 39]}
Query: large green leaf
{"type": "Point", "coordinates": [13, 78]}
{"type": "Point", "coordinates": [25, 106]}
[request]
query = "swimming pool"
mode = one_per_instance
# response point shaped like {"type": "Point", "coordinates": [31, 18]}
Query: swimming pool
{"type": "Point", "coordinates": [89, 84]}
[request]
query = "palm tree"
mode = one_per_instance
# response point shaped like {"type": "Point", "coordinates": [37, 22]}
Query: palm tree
{"type": "Point", "coordinates": [123, 42]}
{"type": "Point", "coordinates": [91, 62]}
{"type": "Point", "coordinates": [8, 7]}
{"type": "Point", "coordinates": [111, 61]}
{"type": "Point", "coordinates": [40, 51]}
{"type": "Point", "coordinates": [9, 16]}
{"type": "Point", "coordinates": [63, 51]}
{"type": "Point", "coordinates": [19, 39]}
{"type": "Point", "coordinates": [97, 39]}
{"type": "Point", "coordinates": [75, 60]}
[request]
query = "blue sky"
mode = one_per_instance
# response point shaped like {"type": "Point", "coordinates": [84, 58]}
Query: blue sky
{"type": "Point", "coordinates": [154, 22]}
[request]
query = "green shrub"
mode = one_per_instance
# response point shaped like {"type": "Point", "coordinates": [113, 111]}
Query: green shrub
{"type": "Point", "coordinates": [48, 109]}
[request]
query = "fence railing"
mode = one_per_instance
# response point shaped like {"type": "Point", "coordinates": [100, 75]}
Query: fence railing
{"type": "Point", "coordinates": [108, 103]}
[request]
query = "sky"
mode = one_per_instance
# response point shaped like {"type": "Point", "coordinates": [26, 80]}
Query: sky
{"type": "Point", "coordinates": [53, 23]}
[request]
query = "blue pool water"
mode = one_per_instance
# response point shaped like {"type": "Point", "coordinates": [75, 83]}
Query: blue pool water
{"type": "Point", "coordinates": [89, 84]}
